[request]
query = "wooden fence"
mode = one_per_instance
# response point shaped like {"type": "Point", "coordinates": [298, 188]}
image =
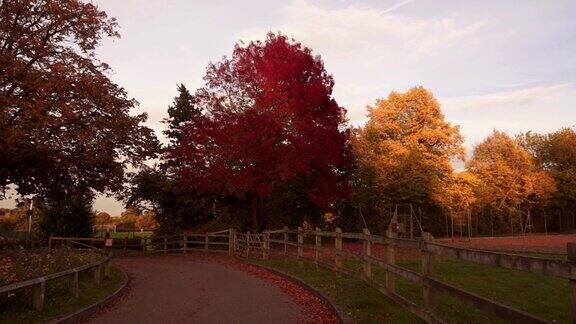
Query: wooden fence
{"type": "Point", "coordinates": [183, 242]}
{"type": "Point", "coordinates": [429, 250]}
{"type": "Point", "coordinates": [38, 285]}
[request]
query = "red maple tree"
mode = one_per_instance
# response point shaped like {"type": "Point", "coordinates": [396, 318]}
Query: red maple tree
{"type": "Point", "coordinates": [268, 117]}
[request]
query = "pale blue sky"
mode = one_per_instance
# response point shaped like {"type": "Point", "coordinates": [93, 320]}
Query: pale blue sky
{"type": "Point", "coordinates": [507, 65]}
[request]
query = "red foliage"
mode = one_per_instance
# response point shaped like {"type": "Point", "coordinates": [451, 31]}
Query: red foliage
{"type": "Point", "coordinates": [63, 122]}
{"type": "Point", "coordinates": [269, 117]}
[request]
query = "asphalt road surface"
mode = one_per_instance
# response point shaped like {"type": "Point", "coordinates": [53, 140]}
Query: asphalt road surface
{"type": "Point", "coordinates": [187, 289]}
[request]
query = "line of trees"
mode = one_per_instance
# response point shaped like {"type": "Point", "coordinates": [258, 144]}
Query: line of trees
{"type": "Point", "coordinates": [262, 144]}
{"type": "Point", "coordinates": [404, 154]}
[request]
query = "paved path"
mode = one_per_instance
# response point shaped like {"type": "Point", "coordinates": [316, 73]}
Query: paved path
{"type": "Point", "coordinates": [177, 289]}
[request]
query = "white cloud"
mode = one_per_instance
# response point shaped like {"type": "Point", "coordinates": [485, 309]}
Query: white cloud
{"type": "Point", "coordinates": [366, 32]}
{"type": "Point", "coordinates": [510, 99]}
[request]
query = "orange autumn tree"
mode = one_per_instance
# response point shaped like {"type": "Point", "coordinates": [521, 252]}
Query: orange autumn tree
{"type": "Point", "coordinates": [458, 193]}
{"type": "Point", "coordinates": [509, 181]}
{"type": "Point", "coordinates": [555, 154]}
{"type": "Point", "coordinates": [404, 152]}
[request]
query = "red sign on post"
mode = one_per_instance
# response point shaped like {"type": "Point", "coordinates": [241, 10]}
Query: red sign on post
{"type": "Point", "coordinates": [108, 243]}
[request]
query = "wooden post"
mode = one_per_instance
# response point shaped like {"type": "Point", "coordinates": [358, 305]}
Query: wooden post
{"type": "Point", "coordinates": [50, 242]}
{"type": "Point", "coordinates": [38, 294]}
{"type": "Point", "coordinates": [300, 242]}
{"type": "Point", "coordinates": [205, 242]}
{"type": "Point", "coordinates": [427, 270]}
{"type": "Point", "coordinates": [75, 285]}
{"type": "Point", "coordinates": [338, 247]}
{"type": "Point", "coordinates": [571, 248]}
{"type": "Point", "coordinates": [247, 244]}
{"type": "Point", "coordinates": [367, 254]}
{"type": "Point", "coordinates": [390, 258]}
{"type": "Point", "coordinates": [143, 241]}
{"type": "Point", "coordinates": [125, 244]}
{"type": "Point", "coordinates": [107, 269]}
{"type": "Point", "coordinates": [97, 277]}
{"type": "Point", "coordinates": [266, 251]}
{"type": "Point", "coordinates": [286, 241]}
{"type": "Point", "coordinates": [185, 242]}
{"type": "Point", "coordinates": [318, 241]}
{"type": "Point", "coordinates": [165, 244]}
{"type": "Point", "coordinates": [231, 241]}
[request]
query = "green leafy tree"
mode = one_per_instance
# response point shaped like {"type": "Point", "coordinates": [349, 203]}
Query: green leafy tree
{"type": "Point", "coordinates": [70, 216]}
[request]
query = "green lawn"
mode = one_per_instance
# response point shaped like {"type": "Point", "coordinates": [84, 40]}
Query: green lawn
{"type": "Point", "coordinates": [353, 296]}
{"type": "Point", "coordinates": [59, 301]}
{"type": "Point", "coordinates": [543, 296]}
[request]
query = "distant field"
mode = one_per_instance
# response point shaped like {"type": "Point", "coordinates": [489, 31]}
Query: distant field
{"type": "Point", "coordinates": [533, 243]}
{"type": "Point", "coordinates": [121, 235]}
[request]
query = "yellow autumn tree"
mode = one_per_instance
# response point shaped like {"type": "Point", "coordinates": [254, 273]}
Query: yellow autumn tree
{"type": "Point", "coordinates": [510, 182]}
{"type": "Point", "coordinates": [403, 154]}
{"type": "Point", "coordinates": [458, 193]}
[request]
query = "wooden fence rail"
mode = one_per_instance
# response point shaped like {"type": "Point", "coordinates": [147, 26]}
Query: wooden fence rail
{"type": "Point", "coordinates": [38, 285]}
{"type": "Point", "coordinates": [429, 251]}
{"type": "Point", "coordinates": [221, 241]}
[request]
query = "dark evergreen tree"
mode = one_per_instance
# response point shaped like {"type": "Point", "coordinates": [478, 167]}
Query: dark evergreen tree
{"type": "Point", "coordinates": [181, 111]}
{"type": "Point", "coordinates": [71, 215]}
{"type": "Point", "coordinates": [176, 206]}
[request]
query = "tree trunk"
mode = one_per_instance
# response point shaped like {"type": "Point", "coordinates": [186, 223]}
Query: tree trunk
{"type": "Point", "coordinates": [254, 219]}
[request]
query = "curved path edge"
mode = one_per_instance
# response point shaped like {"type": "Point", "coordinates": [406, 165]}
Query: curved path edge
{"type": "Point", "coordinates": [327, 300]}
{"type": "Point", "coordinates": [94, 308]}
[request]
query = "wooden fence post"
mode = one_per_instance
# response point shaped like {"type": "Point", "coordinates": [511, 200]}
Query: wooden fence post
{"type": "Point", "coordinates": [427, 269]}
{"type": "Point", "coordinates": [300, 242]}
{"type": "Point", "coordinates": [266, 251]}
{"type": "Point", "coordinates": [97, 277]}
{"type": "Point", "coordinates": [205, 242]}
{"type": "Point", "coordinates": [165, 244]}
{"type": "Point", "coordinates": [390, 259]}
{"type": "Point", "coordinates": [75, 285]}
{"type": "Point", "coordinates": [318, 241]}
{"type": "Point", "coordinates": [107, 269]}
{"type": "Point", "coordinates": [50, 243]}
{"type": "Point", "coordinates": [143, 241]}
{"type": "Point", "coordinates": [38, 295]}
{"type": "Point", "coordinates": [286, 237]}
{"type": "Point", "coordinates": [571, 248]}
{"type": "Point", "coordinates": [125, 244]}
{"type": "Point", "coordinates": [185, 242]}
{"type": "Point", "coordinates": [338, 247]}
{"type": "Point", "coordinates": [367, 254]}
{"type": "Point", "coordinates": [247, 244]}
{"type": "Point", "coordinates": [231, 241]}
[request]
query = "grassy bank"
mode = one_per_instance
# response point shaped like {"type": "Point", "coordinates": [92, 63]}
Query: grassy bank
{"type": "Point", "coordinates": [21, 265]}
{"type": "Point", "coordinates": [59, 301]}
{"type": "Point", "coordinates": [542, 296]}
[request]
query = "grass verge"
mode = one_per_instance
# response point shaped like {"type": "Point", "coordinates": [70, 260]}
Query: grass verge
{"type": "Point", "coordinates": [543, 296]}
{"type": "Point", "coordinates": [359, 301]}
{"type": "Point", "coordinates": [58, 300]}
